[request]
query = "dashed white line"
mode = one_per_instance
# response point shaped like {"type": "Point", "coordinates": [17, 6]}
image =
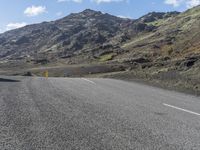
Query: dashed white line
{"type": "Point", "coordinates": [185, 110]}
{"type": "Point", "coordinates": [89, 81]}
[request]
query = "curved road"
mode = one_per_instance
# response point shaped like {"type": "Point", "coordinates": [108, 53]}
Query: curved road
{"type": "Point", "coordinates": [95, 114]}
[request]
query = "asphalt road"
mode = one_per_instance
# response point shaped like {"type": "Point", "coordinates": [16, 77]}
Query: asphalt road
{"type": "Point", "coordinates": [95, 114]}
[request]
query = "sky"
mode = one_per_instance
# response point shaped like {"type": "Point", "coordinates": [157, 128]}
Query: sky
{"type": "Point", "coordinates": [18, 13]}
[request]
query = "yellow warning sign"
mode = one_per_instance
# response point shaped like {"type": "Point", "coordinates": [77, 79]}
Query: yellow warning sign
{"type": "Point", "coordinates": [46, 74]}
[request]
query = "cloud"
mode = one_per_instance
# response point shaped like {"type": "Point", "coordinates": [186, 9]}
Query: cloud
{"type": "Point", "coordinates": [175, 3]}
{"type": "Point", "coordinates": [34, 10]}
{"type": "Point", "coordinates": [192, 3]}
{"type": "Point", "coordinates": [12, 26]}
{"type": "Point", "coordinates": [124, 17]}
{"type": "Point", "coordinates": [76, 1]}
{"type": "Point", "coordinates": [187, 3]}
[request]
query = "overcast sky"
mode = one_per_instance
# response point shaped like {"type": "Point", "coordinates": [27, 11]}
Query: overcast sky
{"type": "Point", "coordinates": [18, 13]}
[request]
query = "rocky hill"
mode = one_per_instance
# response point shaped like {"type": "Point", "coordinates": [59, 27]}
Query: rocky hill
{"type": "Point", "coordinates": [88, 32]}
{"type": "Point", "coordinates": [75, 34]}
{"type": "Point", "coordinates": [157, 46]}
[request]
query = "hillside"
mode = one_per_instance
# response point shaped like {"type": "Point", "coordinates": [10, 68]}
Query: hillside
{"type": "Point", "coordinates": [75, 34]}
{"type": "Point", "coordinates": [158, 47]}
{"type": "Point", "coordinates": [88, 32]}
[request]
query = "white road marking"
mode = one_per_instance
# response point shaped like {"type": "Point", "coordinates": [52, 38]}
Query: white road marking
{"type": "Point", "coordinates": [89, 81]}
{"type": "Point", "coordinates": [185, 110]}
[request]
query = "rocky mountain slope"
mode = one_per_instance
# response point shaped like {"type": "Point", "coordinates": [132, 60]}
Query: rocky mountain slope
{"type": "Point", "coordinates": [86, 32]}
{"type": "Point", "coordinates": [77, 33]}
{"type": "Point", "coordinates": [174, 44]}
{"type": "Point", "coordinates": [157, 46]}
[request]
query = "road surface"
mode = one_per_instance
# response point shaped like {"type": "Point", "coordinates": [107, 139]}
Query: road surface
{"type": "Point", "coordinates": [95, 114]}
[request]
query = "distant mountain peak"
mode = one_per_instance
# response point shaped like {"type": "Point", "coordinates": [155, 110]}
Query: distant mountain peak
{"type": "Point", "coordinates": [90, 12]}
{"type": "Point", "coordinates": [153, 16]}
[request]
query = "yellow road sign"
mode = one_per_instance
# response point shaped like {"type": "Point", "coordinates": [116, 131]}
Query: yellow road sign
{"type": "Point", "coordinates": [46, 74]}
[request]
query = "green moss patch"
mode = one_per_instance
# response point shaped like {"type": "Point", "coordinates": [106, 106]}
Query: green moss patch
{"type": "Point", "coordinates": [107, 57]}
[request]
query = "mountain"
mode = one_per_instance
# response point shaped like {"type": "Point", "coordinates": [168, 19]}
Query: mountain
{"type": "Point", "coordinates": [156, 46]}
{"type": "Point", "coordinates": [77, 33]}
{"type": "Point", "coordinates": [175, 41]}
{"type": "Point", "coordinates": [87, 32]}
